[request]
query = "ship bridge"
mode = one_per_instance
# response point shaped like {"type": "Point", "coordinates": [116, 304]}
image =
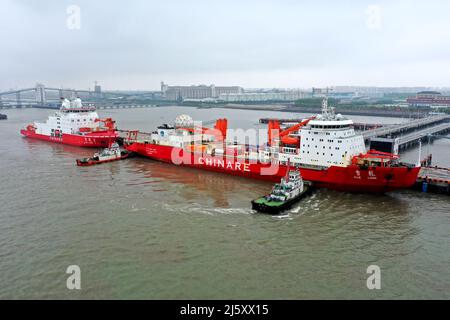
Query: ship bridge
{"type": "Point", "coordinates": [330, 124]}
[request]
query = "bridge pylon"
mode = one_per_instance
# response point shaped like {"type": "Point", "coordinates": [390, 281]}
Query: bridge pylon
{"type": "Point", "coordinates": [40, 94]}
{"type": "Point", "coordinates": [18, 99]}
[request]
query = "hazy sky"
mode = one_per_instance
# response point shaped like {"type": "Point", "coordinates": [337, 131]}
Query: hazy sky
{"type": "Point", "coordinates": [135, 44]}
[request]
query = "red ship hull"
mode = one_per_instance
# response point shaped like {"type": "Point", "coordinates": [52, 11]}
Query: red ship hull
{"type": "Point", "coordinates": [94, 139]}
{"type": "Point", "coordinates": [351, 178]}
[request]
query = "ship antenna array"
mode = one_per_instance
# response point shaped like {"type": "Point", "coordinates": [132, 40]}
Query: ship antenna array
{"type": "Point", "coordinates": [326, 111]}
{"type": "Point", "coordinates": [325, 106]}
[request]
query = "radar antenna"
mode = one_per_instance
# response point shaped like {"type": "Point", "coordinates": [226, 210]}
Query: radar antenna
{"type": "Point", "coordinates": [325, 111]}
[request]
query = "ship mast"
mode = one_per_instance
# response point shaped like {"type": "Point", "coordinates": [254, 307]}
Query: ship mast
{"type": "Point", "coordinates": [288, 170]}
{"type": "Point", "coordinates": [325, 106]}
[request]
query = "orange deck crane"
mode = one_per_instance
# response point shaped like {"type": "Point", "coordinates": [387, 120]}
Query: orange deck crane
{"type": "Point", "coordinates": [109, 123]}
{"type": "Point", "coordinates": [274, 132]}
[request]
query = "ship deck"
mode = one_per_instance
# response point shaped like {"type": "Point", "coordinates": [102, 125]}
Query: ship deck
{"type": "Point", "coordinates": [269, 203]}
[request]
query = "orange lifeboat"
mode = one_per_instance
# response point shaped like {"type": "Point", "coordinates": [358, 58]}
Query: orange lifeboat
{"type": "Point", "coordinates": [196, 148]}
{"type": "Point", "coordinates": [290, 140]}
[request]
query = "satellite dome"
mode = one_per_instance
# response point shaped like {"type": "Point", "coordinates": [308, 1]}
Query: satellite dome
{"type": "Point", "coordinates": [184, 121]}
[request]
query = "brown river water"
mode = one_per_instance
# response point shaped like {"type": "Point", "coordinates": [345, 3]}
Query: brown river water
{"type": "Point", "coordinates": [140, 229]}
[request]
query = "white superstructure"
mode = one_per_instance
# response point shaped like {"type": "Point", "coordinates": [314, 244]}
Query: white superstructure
{"type": "Point", "coordinates": [182, 134]}
{"type": "Point", "coordinates": [328, 140]}
{"type": "Point", "coordinates": [69, 120]}
{"type": "Point", "coordinates": [289, 187]}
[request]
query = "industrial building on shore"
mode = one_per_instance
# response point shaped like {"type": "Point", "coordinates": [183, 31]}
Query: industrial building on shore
{"type": "Point", "coordinates": [180, 93]}
{"type": "Point", "coordinates": [213, 93]}
{"type": "Point", "coordinates": [287, 95]}
{"type": "Point", "coordinates": [429, 99]}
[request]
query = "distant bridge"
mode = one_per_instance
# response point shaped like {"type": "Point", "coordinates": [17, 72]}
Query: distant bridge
{"type": "Point", "coordinates": [39, 96]}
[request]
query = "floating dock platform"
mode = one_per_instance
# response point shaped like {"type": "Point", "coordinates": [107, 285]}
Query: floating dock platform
{"type": "Point", "coordinates": [433, 180]}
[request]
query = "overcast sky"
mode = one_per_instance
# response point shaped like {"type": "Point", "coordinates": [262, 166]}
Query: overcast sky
{"type": "Point", "coordinates": [135, 44]}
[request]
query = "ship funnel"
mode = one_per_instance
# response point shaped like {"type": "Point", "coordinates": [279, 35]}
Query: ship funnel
{"type": "Point", "coordinates": [221, 125]}
{"type": "Point", "coordinates": [273, 131]}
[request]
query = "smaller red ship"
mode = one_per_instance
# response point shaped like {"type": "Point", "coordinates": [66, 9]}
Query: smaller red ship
{"type": "Point", "coordinates": [76, 125]}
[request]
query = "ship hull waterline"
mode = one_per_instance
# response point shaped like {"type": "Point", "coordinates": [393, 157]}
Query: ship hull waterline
{"type": "Point", "coordinates": [350, 179]}
{"type": "Point", "coordinates": [92, 140]}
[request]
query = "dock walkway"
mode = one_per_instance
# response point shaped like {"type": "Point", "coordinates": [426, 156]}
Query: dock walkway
{"type": "Point", "coordinates": [404, 127]}
{"type": "Point", "coordinates": [413, 138]}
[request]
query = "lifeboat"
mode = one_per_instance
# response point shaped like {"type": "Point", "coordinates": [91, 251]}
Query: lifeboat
{"type": "Point", "coordinates": [290, 140]}
{"type": "Point", "coordinates": [84, 130]}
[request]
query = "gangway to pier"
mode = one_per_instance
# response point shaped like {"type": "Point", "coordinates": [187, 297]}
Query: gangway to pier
{"type": "Point", "coordinates": [413, 138]}
{"type": "Point", "coordinates": [404, 127]}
